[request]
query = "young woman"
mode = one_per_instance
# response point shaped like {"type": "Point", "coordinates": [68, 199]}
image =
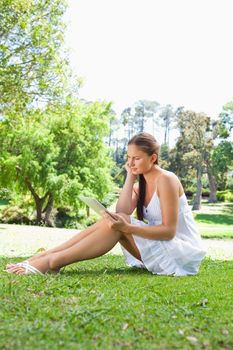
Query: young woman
{"type": "Point", "coordinates": [163, 239]}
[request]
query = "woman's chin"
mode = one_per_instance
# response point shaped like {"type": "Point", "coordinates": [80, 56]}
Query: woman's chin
{"type": "Point", "coordinates": [136, 172]}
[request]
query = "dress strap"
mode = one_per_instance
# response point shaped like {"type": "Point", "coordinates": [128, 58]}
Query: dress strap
{"type": "Point", "coordinates": [156, 184]}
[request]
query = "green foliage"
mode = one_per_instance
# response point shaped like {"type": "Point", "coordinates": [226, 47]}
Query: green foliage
{"type": "Point", "coordinates": [229, 184]}
{"type": "Point", "coordinates": [225, 196]}
{"type": "Point", "coordinates": [20, 209]}
{"type": "Point", "coordinates": [51, 145]}
{"type": "Point", "coordinates": [195, 138]}
{"type": "Point", "coordinates": [103, 304]}
{"type": "Point", "coordinates": [33, 63]}
{"type": "Point", "coordinates": [16, 215]}
{"type": "Point", "coordinates": [164, 156]}
{"type": "Point", "coordinates": [222, 160]}
{"type": "Point", "coordinates": [191, 154]}
{"type": "Point", "coordinates": [186, 172]}
{"type": "Point", "coordinates": [5, 194]}
{"type": "Point", "coordinates": [58, 151]}
{"type": "Point", "coordinates": [164, 152]}
{"type": "Point", "coordinates": [226, 120]}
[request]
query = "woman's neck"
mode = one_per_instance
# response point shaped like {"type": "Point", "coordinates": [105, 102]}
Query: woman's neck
{"type": "Point", "coordinates": [152, 175]}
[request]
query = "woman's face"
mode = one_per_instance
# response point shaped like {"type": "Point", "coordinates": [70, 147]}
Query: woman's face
{"type": "Point", "coordinates": [139, 161]}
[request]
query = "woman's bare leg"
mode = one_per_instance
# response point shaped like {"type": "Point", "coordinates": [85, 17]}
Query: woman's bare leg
{"type": "Point", "coordinates": [94, 245]}
{"type": "Point", "coordinates": [98, 243]}
{"type": "Point", "coordinates": [69, 243]}
{"type": "Point", "coordinates": [129, 244]}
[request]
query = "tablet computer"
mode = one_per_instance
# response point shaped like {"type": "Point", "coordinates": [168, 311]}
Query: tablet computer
{"type": "Point", "coordinates": [95, 205]}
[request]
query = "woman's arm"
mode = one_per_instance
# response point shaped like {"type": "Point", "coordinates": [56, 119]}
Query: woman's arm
{"type": "Point", "coordinates": [127, 201]}
{"type": "Point", "coordinates": [168, 191]}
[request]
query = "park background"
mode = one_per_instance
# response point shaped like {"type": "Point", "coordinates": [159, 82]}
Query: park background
{"type": "Point", "coordinates": [78, 79]}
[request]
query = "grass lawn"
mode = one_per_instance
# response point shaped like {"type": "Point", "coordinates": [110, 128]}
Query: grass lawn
{"type": "Point", "coordinates": [215, 221]}
{"type": "Point", "coordinates": [103, 304]}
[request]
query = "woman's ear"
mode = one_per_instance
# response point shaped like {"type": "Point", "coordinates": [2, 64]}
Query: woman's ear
{"type": "Point", "coordinates": [154, 157]}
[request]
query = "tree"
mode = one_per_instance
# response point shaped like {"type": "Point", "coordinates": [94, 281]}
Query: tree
{"type": "Point", "coordinates": [222, 160]}
{"type": "Point", "coordinates": [113, 126]}
{"type": "Point", "coordinates": [220, 157]}
{"type": "Point", "coordinates": [226, 120]}
{"type": "Point", "coordinates": [195, 138]}
{"type": "Point", "coordinates": [144, 112]}
{"type": "Point", "coordinates": [164, 156]}
{"type": "Point", "coordinates": [127, 121]}
{"type": "Point", "coordinates": [181, 166]}
{"type": "Point", "coordinates": [211, 176]}
{"type": "Point", "coordinates": [33, 64]}
{"type": "Point", "coordinates": [56, 154]}
{"type": "Point", "coordinates": [167, 116]}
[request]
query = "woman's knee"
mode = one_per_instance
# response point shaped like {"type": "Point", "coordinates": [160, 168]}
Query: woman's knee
{"type": "Point", "coordinates": [53, 261]}
{"type": "Point", "coordinates": [125, 216]}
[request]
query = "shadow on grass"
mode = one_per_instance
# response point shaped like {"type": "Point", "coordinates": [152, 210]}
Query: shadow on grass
{"type": "Point", "coordinates": [104, 271]}
{"type": "Point", "coordinates": [207, 266]}
{"type": "Point", "coordinates": [223, 206]}
{"type": "Point", "coordinates": [228, 207]}
{"type": "Point", "coordinates": [220, 219]}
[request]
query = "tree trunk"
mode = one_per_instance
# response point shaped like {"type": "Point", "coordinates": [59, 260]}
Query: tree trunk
{"type": "Point", "coordinates": [213, 188]}
{"type": "Point", "coordinates": [48, 210]}
{"type": "Point", "coordinates": [39, 206]}
{"type": "Point", "coordinates": [211, 179]}
{"type": "Point", "coordinates": [197, 199]}
{"type": "Point", "coordinates": [39, 201]}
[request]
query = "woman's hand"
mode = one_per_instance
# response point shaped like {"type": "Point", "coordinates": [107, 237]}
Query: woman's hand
{"type": "Point", "coordinates": [129, 171]}
{"type": "Point", "coordinates": [127, 167]}
{"type": "Point", "coordinates": [118, 223]}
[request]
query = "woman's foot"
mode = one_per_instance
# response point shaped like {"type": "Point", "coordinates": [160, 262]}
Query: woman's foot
{"type": "Point", "coordinates": [15, 267]}
{"type": "Point", "coordinates": [30, 259]}
{"type": "Point", "coordinates": [41, 264]}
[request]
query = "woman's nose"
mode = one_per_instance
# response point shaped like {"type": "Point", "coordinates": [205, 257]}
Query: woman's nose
{"type": "Point", "coordinates": [131, 162]}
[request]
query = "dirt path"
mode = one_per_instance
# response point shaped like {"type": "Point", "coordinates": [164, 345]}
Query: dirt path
{"type": "Point", "coordinates": [21, 240]}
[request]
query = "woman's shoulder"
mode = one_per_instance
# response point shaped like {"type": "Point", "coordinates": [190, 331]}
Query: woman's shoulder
{"type": "Point", "coordinates": [167, 175]}
{"type": "Point", "coordinates": [168, 181]}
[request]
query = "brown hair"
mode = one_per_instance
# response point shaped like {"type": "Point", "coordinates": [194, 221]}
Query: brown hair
{"type": "Point", "coordinates": [148, 144]}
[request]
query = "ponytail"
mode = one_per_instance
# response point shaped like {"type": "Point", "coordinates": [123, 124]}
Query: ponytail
{"type": "Point", "coordinates": [141, 197]}
{"type": "Point", "coordinates": [148, 144]}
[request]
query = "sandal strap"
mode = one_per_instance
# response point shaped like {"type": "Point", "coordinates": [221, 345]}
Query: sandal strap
{"type": "Point", "coordinates": [29, 268]}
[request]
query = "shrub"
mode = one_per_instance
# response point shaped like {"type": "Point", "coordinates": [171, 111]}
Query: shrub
{"type": "Point", "coordinates": [229, 184]}
{"type": "Point", "coordinates": [15, 215]}
{"type": "Point", "coordinates": [229, 196]}
{"type": "Point", "coordinates": [223, 196]}
{"type": "Point", "coordinates": [5, 194]}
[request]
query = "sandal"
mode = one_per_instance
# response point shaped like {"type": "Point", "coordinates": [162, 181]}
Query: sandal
{"type": "Point", "coordinates": [9, 267]}
{"type": "Point", "coordinates": [29, 269]}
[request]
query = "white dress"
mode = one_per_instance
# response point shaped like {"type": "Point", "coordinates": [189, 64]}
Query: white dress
{"type": "Point", "coordinates": [179, 256]}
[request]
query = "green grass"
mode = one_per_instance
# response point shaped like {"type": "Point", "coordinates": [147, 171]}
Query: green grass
{"type": "Point", "coordinates": [210, 231]}
{"type": "Point", "coordinates": [103, 304]}
{"type": "Point", "coordinates": [215, 221]}
{"type": "Point", "coordinates": [219, 219]}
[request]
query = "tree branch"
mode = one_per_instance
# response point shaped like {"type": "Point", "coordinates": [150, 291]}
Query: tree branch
{"type": "Point", "coordinates": [28, 183]}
